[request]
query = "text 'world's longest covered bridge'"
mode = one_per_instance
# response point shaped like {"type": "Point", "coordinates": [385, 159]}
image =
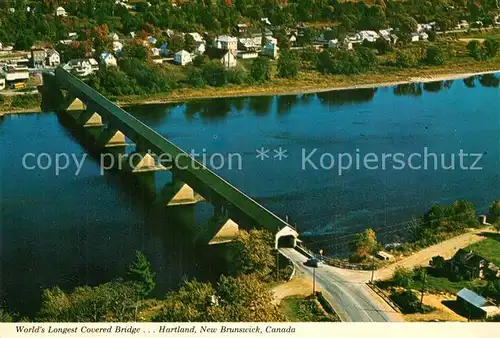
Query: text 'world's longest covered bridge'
{"type": "Point", "coordinates": [108, 125]}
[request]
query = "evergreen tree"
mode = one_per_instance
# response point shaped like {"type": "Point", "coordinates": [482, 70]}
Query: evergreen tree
{"type": "Point", "coordinates": [140, 273]}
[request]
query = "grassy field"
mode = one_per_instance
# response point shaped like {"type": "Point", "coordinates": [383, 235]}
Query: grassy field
{"type": "Point", "coordinates": [304, 309]}
{"type": "Point", "coordinates": [489, 248]}
{"type": "Point", "coordinates": [443, 284]}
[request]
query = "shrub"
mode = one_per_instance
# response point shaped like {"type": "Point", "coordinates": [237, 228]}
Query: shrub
{"type": "Point", "coordinates": [402, 277]}
{"type": "Point", "coordinates": [324, 302]}
{"type": "Point", "coordinates": [434, 56]}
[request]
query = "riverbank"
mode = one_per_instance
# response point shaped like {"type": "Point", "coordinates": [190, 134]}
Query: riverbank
{"type": "Point", "coordinates": [306, 83]}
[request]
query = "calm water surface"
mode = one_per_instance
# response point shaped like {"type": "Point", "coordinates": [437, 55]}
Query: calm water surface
{"type": "Point", "coordinates": [70, 230]}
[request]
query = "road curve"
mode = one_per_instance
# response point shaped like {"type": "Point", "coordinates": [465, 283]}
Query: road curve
{"type": "Point", "coordinates": [350, 299]}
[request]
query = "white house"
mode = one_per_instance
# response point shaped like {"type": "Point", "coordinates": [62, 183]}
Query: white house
{"type": "Point", "coordinates": [152, 40]}
{"type": "Point", "coordinates": [82, 67]}
{"type": "Point", "coordinates": [266, 21]}
{"type": "Point", "coordinates": [370, 36]}
{"type": "Point", "coordinates": [197, 37]}
{"type": "Point", "coordinates": [415, 37]}
{"type": "Point", "coordinates": [271, 50]}
{"type": "Point", "coordinates": [292, 39]}
{"type": "Point", "coordinates": [53, 58]}
{"type": "Point", "coordinates": [73, 35]}
{"type": "Point", "coordinates": [117, 47]}
{"type": "Point", "coordinates": [60, 11]}
{"type": "Point", "coordinates": [250, 44]}
{"type": "Point", "coordinates": [333, 43]}
{"type": "Point", "coordinates": [200, 48]}
{"type": "Point", "coordinates": [247, 55]}
{"type": "Point", "coordinates": [423, 36]}
{"type": "Point", "coordinates": [108, 60]}
{"type": "Point", "coordinates": [155, 51]}
{"type": "Point", "coordinates": [225, 57]}
{"type": "Point", "coordinates": [114, 36]}
{"type": "Point", "coordinates": [226, 42]}
{"type": "Point", "coordinates": [182, 58]}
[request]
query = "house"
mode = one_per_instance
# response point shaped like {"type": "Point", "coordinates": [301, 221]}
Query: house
{"type": "Point", "coordinates": [182, 58]}
{"type": "Point", "coordinates": [468, 264]}
{"type": "Point", "coordinates": [476, 306]}
{"type": "Point", "coordinates": [117, 47]}
{"type": "Point", "coordinates": [1, 46]}
{"type": "Point", "coordinates": [155, 51]}
{"type": "Point", "coordinates": [250, 44]}
{"type": "Point", "coordinates": [370, 36]}
{"type": "Point", "coordinates": [333, 43]}
{"type": "Point", "coordinates": [423, 36]}
{"type": "Point", "coordinates": [164, 50]}
{"type": "Point", "coordinates": [415, 37]}
{"type": "Point", "coordinates": [16, 73]}
{"type": "Point", "coordinates": [108, 60]}
{"type": "Point", "coordinates": [270, 39]}
{"type": "Point", "coordinates": [241, 28]}
{"type": "Point", "coordinates": [60, 11]}
{"type": "Point", "coordinates": [247, 55]}
{"type": "Point", "coordinates": [424, 27]}
{"type": "Point", "coordinates": [292, 39]}
{"type": "Point", "coordinates": [463, 24]}
{"type": "Point", "coordinates": [226, 42]}
{"type": "Point", "coordinates": [38, 57]}
{"type": "Point", "coordinates": [82, 67]}
{"type": "Point", "coordinates": [152, 40]}
{"type": "Point", "coordinates": [200, 48]}
{"type": "Point", "coordinates": [271, 50]}
{"type": "Point", "coordinates": [114, 36]}
{"type": "Point", "coordinates": [53, 58]}
{"type": "Point", "coordinates": [196, 37]}
{"type": "Point", "coordinates": [73, 35]}
{"type": "Point", "coordinates": [384, 256]}
{"type": "Point", "coordinates": [225, 57]}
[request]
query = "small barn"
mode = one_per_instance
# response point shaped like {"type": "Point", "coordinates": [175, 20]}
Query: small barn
{"type": "Point", "coordinates": [475, 306]}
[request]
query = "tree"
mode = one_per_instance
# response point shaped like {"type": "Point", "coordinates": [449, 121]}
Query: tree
{"type": "Point", "coordinates": [189, 43]}
{"type": "Point", "coordinates": [366, 245]}
{"type": "Point", "coordinates": [260, 70]}
{"type": "Point", "coordinates": [251, 253]}
{"type": "Point", "coordinates": [5, 317]}
{"type": "Point", "coordinates": [494, 214]}
{"type": "Point", "coordinates": [402, 277]}
{"type": "Point", "coordinates": [474, 48]}
{"type": "Point", "coordinates": [490, 47]}
{"type": "Point", "coordinates": [111, 302]}
{"type": "Point", "coordinates": [137, 50]}
{"type": "Point", "coordinates": [288, 65]}
{"type": "Point", "coordinates": [24, 43]}
{"type": "Point", "coordinates": [214, 73]}
{"type": "Point", "coordinates": [437, 262]}
{"type": "Point", "coordinates": [434, 56]}
{"type": "Point", "coordinates": [175, 43]}
{"type": "Point", "coordinates": [233, 299]}
{"type": "Point", "coordinates": [382, 45]}
{"type": "Point", "coordinates": [140, 273]}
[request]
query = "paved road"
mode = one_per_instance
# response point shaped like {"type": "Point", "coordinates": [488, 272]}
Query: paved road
{"type": "Point", "coordinates": [353, 301]}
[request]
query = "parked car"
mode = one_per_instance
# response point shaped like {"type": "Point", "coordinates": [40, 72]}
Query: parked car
{"type": "Point", "coordinates": [314, 262]}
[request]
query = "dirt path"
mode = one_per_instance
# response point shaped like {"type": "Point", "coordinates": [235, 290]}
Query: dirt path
{"type": "Point", "coordinates": [446, 249]}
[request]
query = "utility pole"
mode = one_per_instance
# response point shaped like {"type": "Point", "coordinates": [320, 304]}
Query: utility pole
{"type": "Point", "coordinates": [373, 268]}
{"type": "Point", "coordinates": [277, 265]}
{"type": "Point", "coordinates": [423, 290]}
{"type": "Point", "coordinates": [314, 281]}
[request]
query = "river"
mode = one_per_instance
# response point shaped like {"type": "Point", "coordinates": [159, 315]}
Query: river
{"type": "Point", "coordinates": [71, 230]}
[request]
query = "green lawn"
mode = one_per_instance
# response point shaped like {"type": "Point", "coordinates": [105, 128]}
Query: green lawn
{"type": "Point", "coordinates": [303, 309]}
{"type": "Point", "coordinates": [489, 248]}
{"type": "Point", "coordinates": [443, 284]}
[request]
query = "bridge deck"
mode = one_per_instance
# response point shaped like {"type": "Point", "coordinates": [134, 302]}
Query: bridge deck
{"type": "Point", "coordinates": [194, 174]}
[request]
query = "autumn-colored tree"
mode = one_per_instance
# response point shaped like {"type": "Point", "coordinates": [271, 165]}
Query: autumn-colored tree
{"type": "Point", "coordinates": [251, 253]}
{"type": "Point", "coordinates": [233, 299]}
{"type": "Point", "coordinates": [101, 39]}
{"type": "Point", "coordinates": [366, 244]}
